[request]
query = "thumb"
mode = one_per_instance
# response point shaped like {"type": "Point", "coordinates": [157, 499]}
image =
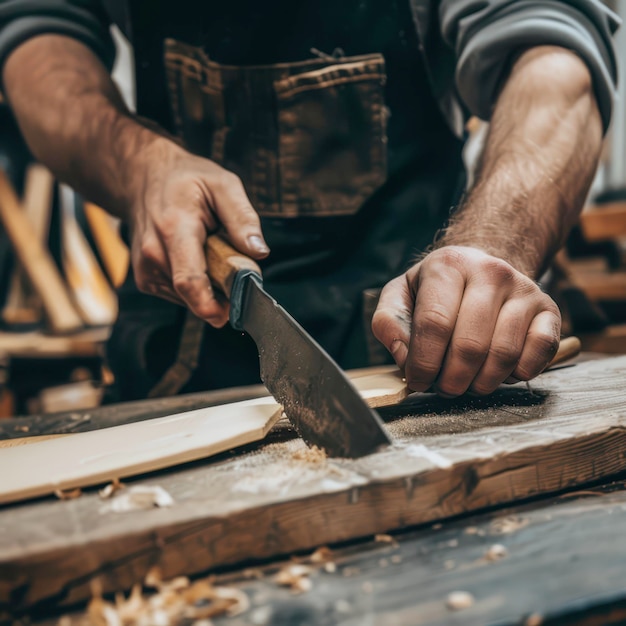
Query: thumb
{"type": "Point", "coordinates": [391, 323]}
{"type": "Point", "coordinates": [236, 214]}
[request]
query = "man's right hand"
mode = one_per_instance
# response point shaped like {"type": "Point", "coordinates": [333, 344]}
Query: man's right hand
{"type": "Point", "coordinates": [180, 199]}
{"type": "Point", "coordinates": [75, 122]}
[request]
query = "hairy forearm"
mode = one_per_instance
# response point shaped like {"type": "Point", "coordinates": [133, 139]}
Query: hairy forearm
{"type": "Point", "coordinates": [74, 120]}
{"type": "Point", "coordinates": [539, 160]}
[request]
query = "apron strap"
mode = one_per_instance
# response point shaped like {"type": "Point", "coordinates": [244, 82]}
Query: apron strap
{"type": "Point", "coordinates": [178, 374]}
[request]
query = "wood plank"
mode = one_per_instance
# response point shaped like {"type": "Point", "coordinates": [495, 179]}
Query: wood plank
{"type": "Point", "coordinates": [604, 221]}
{"type": "Point", "coordinates": [22, 304]}
{"type": "Point", "coordinates": [95, 457]}
{"type": "Point", "coordinates": [93, 296]}
{"type": "Point", "coordinates": [449, 457]}
{"type": "Point", "coordinates": [564, 561]}
{"type": "Point", "coordinates": [36, 344]}
{"type": "Point", "coordinates": [37, 262]}
{"type": "Point", "coordinates": [113, 251]}
{"type": "Point", "coordinates": [407, 582]}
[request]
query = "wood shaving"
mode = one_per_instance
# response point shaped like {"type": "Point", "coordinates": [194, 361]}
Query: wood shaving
{"type": "Point", "coordinates": [22, 429]}
{"type": "Point", "coordinates": [534, 620]}
{"type": "Point", "coordinates": [313, 455]}
{"type": "Point", "coordinates": [383, 563]}
{"type": "Point", "coordinates": [112, 488]}
{"type": "Point", "coordinates": [508, 525]}
{"type": "Point", "coordinates": [350, 571]}
{"type": "Point", "coordinates": [175, 602]}
{"type": "Point", "coordinates": [295, 576]}
{"type": "Point", "coordinates": [321, 555]}
{"type": "Point", "coordinates": [68, 494]}
{"type": "Point", "coordinates": [459, 600]}
{"type": "Point", "coordinates": [496, 552]}
{"type": "Point", "coordinates": [449, 564]}
{"type": "Point", "coordinates": [471, 530]}
{"type": "Point", "coordinates": [330, 567]}
{"type": "Point", "coordinates": [396, 558]}
{"type": "Point", "coordinates": [139, 498]}
{"type": "Point", "coordinates": [367, 587]}
{"type": "Point", "coordinates": [383, 538]}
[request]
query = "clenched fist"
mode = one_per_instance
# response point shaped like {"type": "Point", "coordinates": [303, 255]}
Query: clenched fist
{"type": "Point", "coordinates": [462, 320]}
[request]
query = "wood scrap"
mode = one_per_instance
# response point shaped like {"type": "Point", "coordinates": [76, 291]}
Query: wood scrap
{"type": "Point", "coordinates": [23, 305]}
{"type": "Point", "coordinates": [37, 262]}
{"type": "Point", "coordinates": [113, 251]}
{"type": "Point", "coordinates": [95, 300]}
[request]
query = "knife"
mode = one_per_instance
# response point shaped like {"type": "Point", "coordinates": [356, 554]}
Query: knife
{"type": "Point", "coordinates": [316, 395]}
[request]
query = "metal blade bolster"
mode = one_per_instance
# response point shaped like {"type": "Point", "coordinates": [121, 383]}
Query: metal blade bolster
{"type": "Point", "coordinates": [315, 393]}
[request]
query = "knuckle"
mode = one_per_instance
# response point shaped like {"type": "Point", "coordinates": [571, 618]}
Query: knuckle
{"type": "Point", "coordinates": [505, 355]}
{"type": "Point", "coordinates": [225, 180]}
{"type": "Point", "coordinates": [149, 252]}
{"type": "Point", "coordinates": [449, 257]}
{"type": "Point", "coordinates": [498, 271]}
{"type": "Point", "coordinates": [547, 343]}
{"type": "Point", "coordinates": [484, 388]}
{"type": "Point", "coordinates": [184, 283]}
{"type": "Point", "coordinates": [434, 322]}
{"type": "Point", "coordinates": [470, 349]}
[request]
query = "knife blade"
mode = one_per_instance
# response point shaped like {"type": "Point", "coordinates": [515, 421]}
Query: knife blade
{"type": "Point", "coordinates": [316, 395]}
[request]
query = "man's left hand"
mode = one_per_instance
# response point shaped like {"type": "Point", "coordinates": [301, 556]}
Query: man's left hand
{"type": "Point", "coordinates": [462, 320]}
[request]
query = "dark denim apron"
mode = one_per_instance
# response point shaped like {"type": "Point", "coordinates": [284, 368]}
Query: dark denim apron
{"type": "Point", "coordinates": [309, 140]}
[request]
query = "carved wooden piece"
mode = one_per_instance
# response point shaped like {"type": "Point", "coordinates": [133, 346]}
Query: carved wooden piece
{"type": "Point", "coordinates": [98, 456]}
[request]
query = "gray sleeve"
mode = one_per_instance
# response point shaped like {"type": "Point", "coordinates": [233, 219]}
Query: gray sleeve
{"type": "Point", "coordinates": [84, 20]}
{"type": "Point", "coordinates": [487, 34]}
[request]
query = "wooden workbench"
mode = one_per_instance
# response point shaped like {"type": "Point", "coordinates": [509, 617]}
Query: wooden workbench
{"type": "Point", "coordinates": [568, 431]}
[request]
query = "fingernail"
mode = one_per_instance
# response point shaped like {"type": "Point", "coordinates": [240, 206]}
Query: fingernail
{"type": "Point", "coordinates": [257, 244]}
{"type": "Point", "coordinates": [399, 351]}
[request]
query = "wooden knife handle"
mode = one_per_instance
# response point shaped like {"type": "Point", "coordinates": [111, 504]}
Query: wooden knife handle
{"type": "Point", "coordinates": [225, 262]}
{"type": "Point", "coordinates": [568, 349]}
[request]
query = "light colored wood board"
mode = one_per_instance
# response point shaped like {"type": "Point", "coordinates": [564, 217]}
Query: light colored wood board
{"type": "Point", "coordinates": [84, 459]}
{"type": "Point", "coordinates": [99, 456]}
{"type": "Point", "coordinates": [113, 251]}
{"type": "Point", "coordinates": [605, 221]}
{"type": "Point", "coordinates": [449, 458]}
{"type": "Point", "coordinates": [95, 300]}
{"type": "Point", "coordinates": [382, 389]}
{"type": "Point", "coordinates": [37, 262]}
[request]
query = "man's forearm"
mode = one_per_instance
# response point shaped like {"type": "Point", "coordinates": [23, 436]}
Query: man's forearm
{"type": "Point", "coordinates": [539, 160]}
{"type": "Point", "coordinates": [74, 120]}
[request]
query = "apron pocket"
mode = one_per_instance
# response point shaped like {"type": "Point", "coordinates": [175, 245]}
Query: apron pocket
{"type": "Point", "coordinates": [331, 137]}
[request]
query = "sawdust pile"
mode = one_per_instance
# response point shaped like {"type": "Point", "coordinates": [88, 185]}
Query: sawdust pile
{"type": "Point", "coordinates": [313, 455]}
{"type": "Point", "coordinates": [175, 602]}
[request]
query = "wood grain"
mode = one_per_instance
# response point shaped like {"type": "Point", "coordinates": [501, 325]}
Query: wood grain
{"type": "Point", "coordinates": [449, 457]}
{"type": "Point", "coordinates": [37, 262]}
{"type": "Point", "coordinates": [224, 262]}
